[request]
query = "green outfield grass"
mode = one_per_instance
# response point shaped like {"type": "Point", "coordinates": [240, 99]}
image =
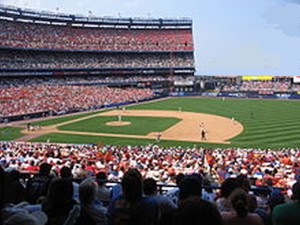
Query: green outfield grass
{"type": "Point", "coordinates": [267, 123]}
{"type": "Point", "coordinates": [79, 139]}
{"type": "Point", "coordinates": [139, 125]}
{"type": "Point", "coordinates": [10, 133]}
{"type": "Point", "coordinates": [62, 119]}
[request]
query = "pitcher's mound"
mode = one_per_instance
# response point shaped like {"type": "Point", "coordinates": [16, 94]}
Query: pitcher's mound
{"type": "Point", "coordinates": [118, 123]}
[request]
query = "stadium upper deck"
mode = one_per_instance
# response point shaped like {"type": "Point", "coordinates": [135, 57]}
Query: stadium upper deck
{"type": "Point", "coordinates": [43, 43]}
{"type": "Point", "coordinates": [34, 30]}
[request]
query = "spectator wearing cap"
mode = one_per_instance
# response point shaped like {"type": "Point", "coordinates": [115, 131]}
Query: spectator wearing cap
{"type": "Point", "coordinates": [288, 213]}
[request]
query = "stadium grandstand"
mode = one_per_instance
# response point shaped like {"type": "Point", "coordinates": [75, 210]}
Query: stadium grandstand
{"type": "Point", "coordinates": [38, 49]}
{"type": "Point", "coordinates": [43, 43]}
{"type": "Point", "coordinates": [261, 182]}
{"type": "Point", "coordinates": [273, 87]}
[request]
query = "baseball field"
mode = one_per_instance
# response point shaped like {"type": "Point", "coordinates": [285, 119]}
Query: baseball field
{"type": "Point", "coordinates": [178, 122]}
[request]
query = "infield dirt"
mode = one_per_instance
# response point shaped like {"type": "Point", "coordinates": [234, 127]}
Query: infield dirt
{"type": "Point", "coordinates": [218, 129]}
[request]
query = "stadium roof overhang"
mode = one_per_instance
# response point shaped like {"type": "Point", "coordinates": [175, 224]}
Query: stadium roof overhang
{"type": "Point", "coordinates": [98, 71]}
{"type": "Point", "coordinates": [25, 15]}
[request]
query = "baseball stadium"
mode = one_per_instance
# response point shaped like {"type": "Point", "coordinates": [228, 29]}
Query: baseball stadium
{"type": "Point", "coordinates": [105, 95]}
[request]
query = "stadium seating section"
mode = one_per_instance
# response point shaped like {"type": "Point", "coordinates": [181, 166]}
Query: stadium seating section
{"type": "Point", "coordinates": [66, 60]}
{"type": "Point", "coordinates": [62, 99]}
{"type": "Point", "coordinates": [56, 197]}
{"type": "Point", "coordinates": [261, 86]}
{"type": "Point", "coordinates": [39, 36]}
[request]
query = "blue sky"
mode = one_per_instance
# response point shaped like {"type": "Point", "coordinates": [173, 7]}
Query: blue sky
{"type": "Point", "coordinates": [232, 37]}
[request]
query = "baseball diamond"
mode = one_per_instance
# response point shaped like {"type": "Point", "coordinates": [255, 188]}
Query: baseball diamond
{"type": "Point", "coordinates": [256, 123]}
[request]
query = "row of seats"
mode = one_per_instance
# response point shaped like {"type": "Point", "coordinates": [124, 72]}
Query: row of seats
{"type": "Point", "coordinates": [64, 60]}
{"type": "Point", "coordinates": [40, 36]}
{"type": "Point", "coordinates": [262, 86]}
{"type": "Point", "coordinates": [264, 167]}
{"type": "Point", "coordinates": [58, 99]}
{"type": "Point", "coordinates": [52, 197]}
{"type": "Point", "coordinates": [72, 80]}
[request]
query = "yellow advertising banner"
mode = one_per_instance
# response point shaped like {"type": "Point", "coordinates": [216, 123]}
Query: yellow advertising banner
{"type": "Point", "coordinates": [257, 77]}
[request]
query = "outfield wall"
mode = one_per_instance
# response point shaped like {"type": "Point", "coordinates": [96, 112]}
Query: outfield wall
{"type": "Point", "coordinates": [274, 95]}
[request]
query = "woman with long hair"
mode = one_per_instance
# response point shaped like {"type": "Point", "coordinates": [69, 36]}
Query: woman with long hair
{"type": "Point", "coordinates": [240, 214]}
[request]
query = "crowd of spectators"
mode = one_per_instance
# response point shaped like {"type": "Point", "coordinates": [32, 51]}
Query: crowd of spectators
{"type": "Point", "coordinates": [82, 60]}
{"type": "Point", "coordinates": [280, 86]}
{"type": "Point", "coordinates": [55, 198]}
{"type": "Point", "coordinates": [295, 87]}
{"type": "Point", "coordinates": [264, 167]}
{"type": "Point", "coordinates": [260, 86]}
{"type": "Point", "coordinates": [230, 88]}
{"type": "Point", "coordinates": [59, 99]}
{"type": "Point", "coordinates": [41, 36]}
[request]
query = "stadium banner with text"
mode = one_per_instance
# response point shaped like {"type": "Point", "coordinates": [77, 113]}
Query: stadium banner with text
{"type": "Point", "coordinates": [296, 79]}
{"type": "Point", "coordinates": [272, 95]}
{"type": "Point", "coordinates": [257, 77]}
{"type": "Point", "coordinates": [210, 94]}
{"type": "Point", "coordinates": [232, 94]}
{"type": "Point", "coordinates": [262, 95]}
{"type": "Point", "coordinates": [183, 83]}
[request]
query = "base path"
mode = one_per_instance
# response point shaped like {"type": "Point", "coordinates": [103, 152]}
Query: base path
{"type": "Point", "coordinates": [218, 129]}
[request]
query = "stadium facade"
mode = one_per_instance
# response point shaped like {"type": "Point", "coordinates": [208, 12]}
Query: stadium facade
{"type": "Point", "coordinates": [43, 43]}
